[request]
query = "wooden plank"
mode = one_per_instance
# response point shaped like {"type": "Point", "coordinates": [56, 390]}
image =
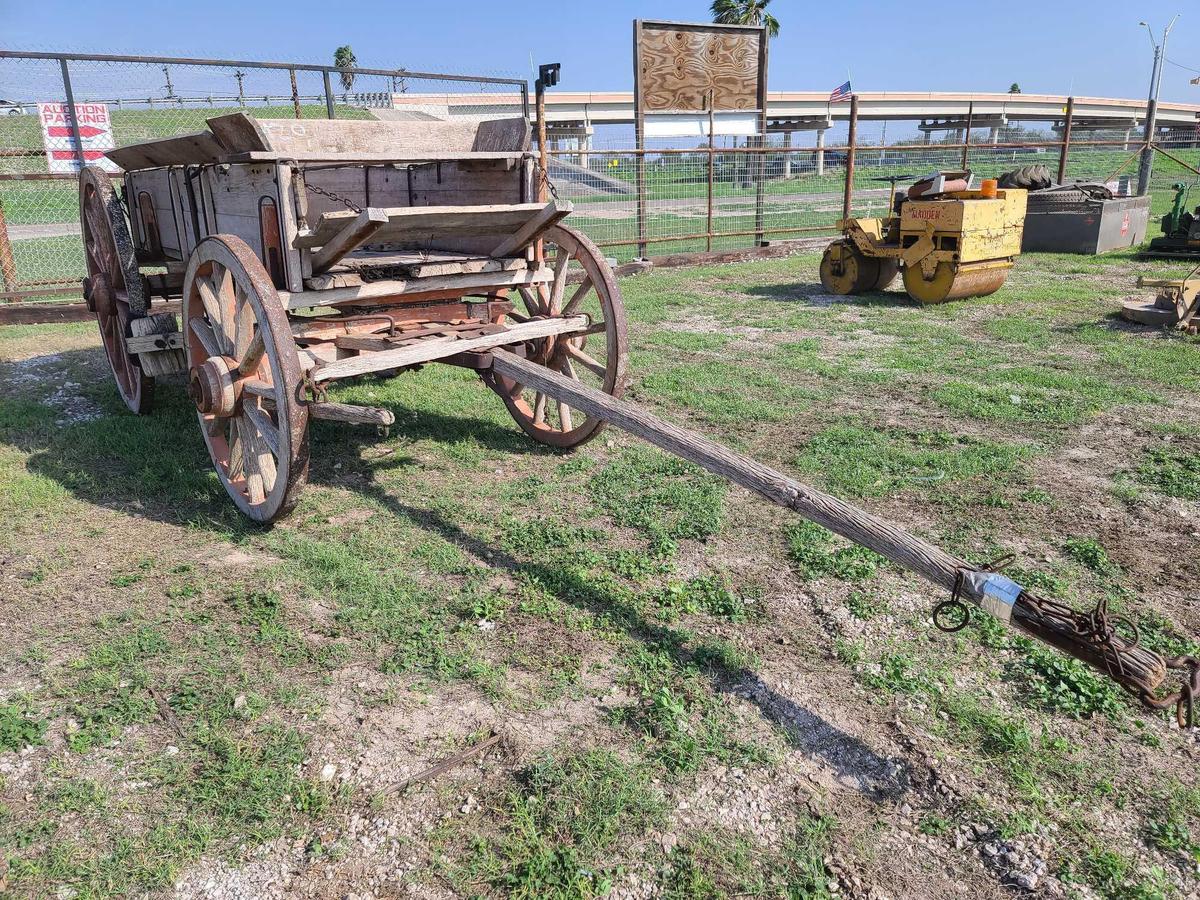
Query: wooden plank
{"type": "Point", "coordinates": [429, 221]}
{"type": "Point", "coordinates": [398, 156]}
{"type": "Point", "coordinates": [149, 343]}
{"type": "Point", "coordinates": [426, 263]}
{"type": "Point", "coordinates": [355, 415]}
{"type": "Point", "coordinates": [352, 236]}
{"type": "Point", "coordinates": [238, 132]}
{"type": "Point", "coordinates": [483, 282]}
{"type": "Point", "coordinates": [186, 149]}
{"type": "Point", "coordinates": [548, 216]}
{"type": "Point", "coordinates": [432, 350]}
{"type": "Point", "coordinates": [502, 135]}
{"type": "Point", "coordinates": [1124, 661]}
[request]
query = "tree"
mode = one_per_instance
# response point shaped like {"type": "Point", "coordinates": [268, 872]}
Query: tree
{"type": "Point", "coordinates": [344, 58]}
{"type": "Point", "coordinates": [1014, 88]}
{"type": "Point", "coordinates": [745, 12]}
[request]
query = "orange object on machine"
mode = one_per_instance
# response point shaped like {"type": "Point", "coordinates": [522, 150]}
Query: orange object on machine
{"type": "Point", "coordinates": [988, 188]}
{"type": "Point", "coordinates": [942, 183]}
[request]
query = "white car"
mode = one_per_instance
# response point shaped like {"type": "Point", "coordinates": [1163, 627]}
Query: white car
{"type": "Point", "coordinates": [8, 108]}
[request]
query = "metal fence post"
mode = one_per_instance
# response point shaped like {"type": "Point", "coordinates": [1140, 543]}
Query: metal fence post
{"type": "Point", "coordinates": [8, 265]}
{"type": "Point", "coordinates": [329, 110]}
{"type": "Point", "coordinates": [967, 136]}
{"type": "Point", "coordinates": [708, 218]}
{"type": "Point", "coordinates": [66, 78]}
{"type": "Point", "coordinates": [851, 140]}
{"type": "Point", "coordinates": [1066, 140]}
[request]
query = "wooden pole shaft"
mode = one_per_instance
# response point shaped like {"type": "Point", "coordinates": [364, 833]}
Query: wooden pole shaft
{"type": "Point", "coordinates": [851, 142]}
{"type": "Point", "coordinates": [1142, 667]}
{"type": "Point", "coordinates": [1065, 151]}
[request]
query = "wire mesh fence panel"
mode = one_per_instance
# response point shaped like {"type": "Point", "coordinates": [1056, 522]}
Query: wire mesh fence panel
{"type": "Point", "coordinates": [144, 99]}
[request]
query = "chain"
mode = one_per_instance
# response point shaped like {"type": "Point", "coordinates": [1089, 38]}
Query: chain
{"type": "Point", "coordinates": [317, 392]}
{"type": "Point", "coordinates": [547, 183]}
{"type": "Point", "coordinates": [336, 198]}
{"type": "Point", "coordinates": [953, 615]}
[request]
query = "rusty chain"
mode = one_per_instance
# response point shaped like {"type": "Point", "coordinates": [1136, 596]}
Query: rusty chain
{"type": "Point", "coordinates": [1099, 630]}
{"type": "Point", "coordinates": [336, 198]}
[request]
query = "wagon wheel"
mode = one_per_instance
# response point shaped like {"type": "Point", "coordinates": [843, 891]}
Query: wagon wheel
{"type": "Point", "coordinates": [595, 358]}
{"type": "Point", "coordinates": [244, 377]}
{"type": "Point", "coordinates": [113, 287]}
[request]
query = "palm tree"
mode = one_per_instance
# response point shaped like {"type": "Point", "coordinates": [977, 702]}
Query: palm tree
{"type": "Point", "coordinates": [745, 12]}
{"type": "Point", "coordinates": [1014, 88]}
{"type": "Point", "coordinates": [344, 58]}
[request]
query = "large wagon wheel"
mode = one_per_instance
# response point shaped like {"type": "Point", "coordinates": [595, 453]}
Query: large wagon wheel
{"type": "Point", "coordinates": [245, 377]}
{"type": "Point", "coordinates": [113, 287]}
{"type": "Point", "coordinates": [596, 357]}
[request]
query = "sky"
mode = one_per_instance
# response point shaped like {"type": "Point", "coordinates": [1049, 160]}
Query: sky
{"type": "Point", "coordinates": [1087, 48]}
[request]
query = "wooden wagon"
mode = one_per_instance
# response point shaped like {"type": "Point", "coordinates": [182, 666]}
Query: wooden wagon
{"type": "Point", "coordinates": [306, 252]}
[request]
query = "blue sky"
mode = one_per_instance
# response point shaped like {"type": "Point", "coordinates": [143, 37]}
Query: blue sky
{"type": "Point", "coordinates": [1090, 48]}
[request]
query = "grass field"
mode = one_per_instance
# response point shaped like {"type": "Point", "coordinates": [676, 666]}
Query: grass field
{"type": "Point", "coordinates": [697, 696]}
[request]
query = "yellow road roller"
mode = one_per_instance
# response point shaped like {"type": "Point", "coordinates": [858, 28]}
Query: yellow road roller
{"type": "Point", "coordinates": [950, 242]}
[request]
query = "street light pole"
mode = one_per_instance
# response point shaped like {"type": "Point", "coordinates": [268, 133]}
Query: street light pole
{"type": "Point", "coordinates": [1146, 167]}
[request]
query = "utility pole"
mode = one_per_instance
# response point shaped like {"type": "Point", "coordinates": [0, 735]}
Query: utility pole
{"type": "Point", "coordinates": [241, 77]}
{"type": "Point", "coordinates": [1146, 167]}
{"type": "Point", "coordinates": [170, 87]}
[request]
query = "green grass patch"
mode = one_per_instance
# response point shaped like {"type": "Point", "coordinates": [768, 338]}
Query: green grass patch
{"type": "Point", "coordinates": [815, 552]}
{"type": "Point", "coordinates": [874, 462]}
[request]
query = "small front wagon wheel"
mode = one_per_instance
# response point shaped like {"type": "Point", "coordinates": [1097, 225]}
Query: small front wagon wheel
{"type": "Point", "coordinates": [596, 358]}
{"type": "Point", "coordinates": [244, 377]}
{"type": "Point", "coordinates": [113, 288]}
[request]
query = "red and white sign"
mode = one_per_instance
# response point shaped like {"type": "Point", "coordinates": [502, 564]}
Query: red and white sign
{"type": "Point", "coordinates": [95, 135]}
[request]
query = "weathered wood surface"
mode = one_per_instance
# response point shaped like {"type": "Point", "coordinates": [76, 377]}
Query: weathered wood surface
{"type": "Point", "coordinates": [546, 218]}
{"type": "Point", "coordinates": [186, 149]}
{"type": "Point", "coordinates": [427, 263]}
{"type": "Point", "coordinates": [353, 235]}
{"type": "Point", "coordinates": [434, 348]}
{"type": "Point", "coordinates": [400, 157]}
{"type": "Point", "coordinates": [481, 283]}
{"type": "Point", "coordinates": [680, 66]}
{"type": "Point", "coordinates": [242, 133]}
{"type": "Point", "coordinates": [861, 527]}
{"type": "Point", "coordinates": [159, 345]}
{"type": "Point", "coordinates": [354, 415]}
{"type": "Point", "coordinates": [425, 222]}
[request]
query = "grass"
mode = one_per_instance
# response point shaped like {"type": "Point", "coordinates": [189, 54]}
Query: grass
{"type": "Point", "coordinates": [656, 645]}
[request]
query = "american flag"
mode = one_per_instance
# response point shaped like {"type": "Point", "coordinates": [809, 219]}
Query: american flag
{"type": "Point", "coordinates": [841, 92]}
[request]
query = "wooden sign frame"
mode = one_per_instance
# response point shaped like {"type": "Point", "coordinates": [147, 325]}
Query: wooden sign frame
{"type": "Point", "coordinates": [696, 70]}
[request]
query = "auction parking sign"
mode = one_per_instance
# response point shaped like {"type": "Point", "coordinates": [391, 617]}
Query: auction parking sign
{"type": "Point", "coordinates": [95, 133]}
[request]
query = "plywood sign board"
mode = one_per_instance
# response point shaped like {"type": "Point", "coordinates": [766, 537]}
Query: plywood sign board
{"type": "Point", "coordinates": [681, 66]}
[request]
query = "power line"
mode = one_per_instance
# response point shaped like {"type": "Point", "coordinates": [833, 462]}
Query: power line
{"type": "Point", "coordinates": [1182, 66]}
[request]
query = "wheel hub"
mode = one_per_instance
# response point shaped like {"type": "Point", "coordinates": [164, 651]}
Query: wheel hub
{"type": "Point", "coordinates": [213, 387]}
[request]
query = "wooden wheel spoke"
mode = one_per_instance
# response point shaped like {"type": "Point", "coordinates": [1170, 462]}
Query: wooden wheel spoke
{"type": "Point", "coordinates": [259, 388]}
{"type": "Point", "coordinates": [577, 297]}
{"type": "Point", "coordinates": [564, 415]}
{"type": "Point", "coordinates": [539, 409]}
{"type": "Point", "coordinates": [218, 313]}
{"type": "Point", "coordinates": [263, 424]}
{"type": "Point", "coordinates": [206, 336]}
{"type": "Point", "coordinates": [251, 356]}
{"type": "Point", "coordinates": [236, 461]}
{"type": "Point", "coordinates": [586, 360]}
{"type": "Point", "coordinates": [260, 464]}
{"type": "Point", "coordinates": [532, 304]}
{"type": "Point", "coordinates": [562, 262]}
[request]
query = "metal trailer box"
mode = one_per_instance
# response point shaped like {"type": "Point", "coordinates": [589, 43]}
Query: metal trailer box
{"type": "Point", "coordinates": [1075, 224]}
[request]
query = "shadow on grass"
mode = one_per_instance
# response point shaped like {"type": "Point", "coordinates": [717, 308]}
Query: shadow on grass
{"type": "Point", "coordinates": [854, 763]}
{"type": "Point", "coordinates": [157, 467]}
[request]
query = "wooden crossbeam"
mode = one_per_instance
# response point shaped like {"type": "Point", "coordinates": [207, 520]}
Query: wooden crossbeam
{"type": "Point", "coordinates": [352, 236]}
{"type": "Point", "coordinates": [436, 348]}
{"type": "Point", "coordinates": [409, 222]}
{"type": "Point", "coordinates": [481, 282]}
{"type": "Point", "coordinates": [549, 215]}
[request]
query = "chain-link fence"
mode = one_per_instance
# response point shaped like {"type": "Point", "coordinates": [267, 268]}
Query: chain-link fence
{"type": "Point", "coordinates": [730, 192]}
{"type": "Point", "coordinates": [735, 192]}
{"type": "Point", "coordinates": [143, 98]}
